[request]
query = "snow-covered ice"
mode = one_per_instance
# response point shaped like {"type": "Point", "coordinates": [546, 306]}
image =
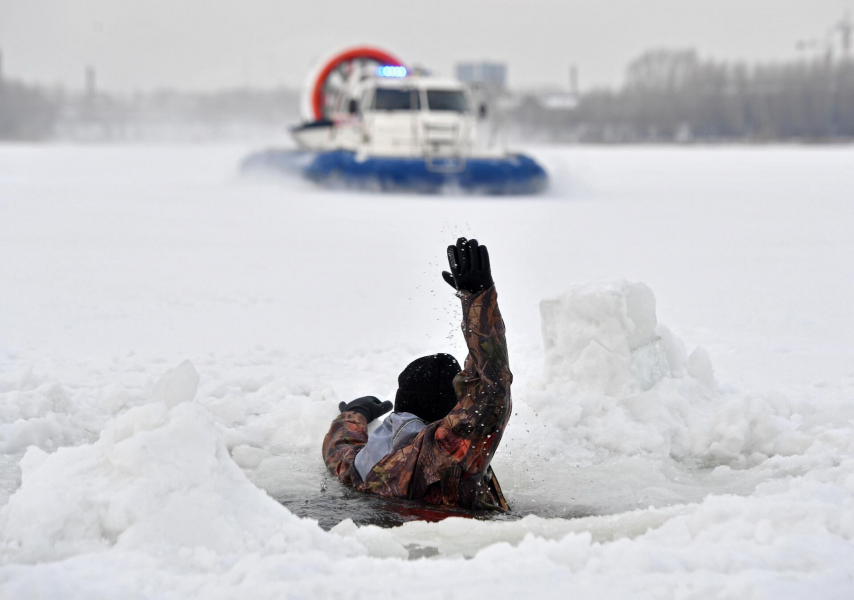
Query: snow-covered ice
{"type": "Point", "coordinates": [174, 342]}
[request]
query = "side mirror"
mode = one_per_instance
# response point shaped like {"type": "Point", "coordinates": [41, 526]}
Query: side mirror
{"type": "Point", "coordinates": [482, 111]}
{"type": "Point", "coordinates": [353, 107]}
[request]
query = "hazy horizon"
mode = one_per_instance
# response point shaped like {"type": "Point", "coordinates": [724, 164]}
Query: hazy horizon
{"type": "Point", "coordinates": [197, 45]}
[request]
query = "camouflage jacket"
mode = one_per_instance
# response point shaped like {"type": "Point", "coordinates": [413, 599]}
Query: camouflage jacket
{"type": "Point", "coordinates": [448, 461]}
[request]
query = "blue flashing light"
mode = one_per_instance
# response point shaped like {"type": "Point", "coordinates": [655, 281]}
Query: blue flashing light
{"type": "Point", "coordinates": [391, 71]}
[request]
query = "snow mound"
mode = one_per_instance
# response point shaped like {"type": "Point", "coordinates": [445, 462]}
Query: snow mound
{"type": "Point", "coordinates": [36, 411]}
{"type": "Point", "coordinates": [605, 337]}
{"type": "Point", "coordinates": [159, 479]}
{"type": "Point", "coordinates": [618, 380]}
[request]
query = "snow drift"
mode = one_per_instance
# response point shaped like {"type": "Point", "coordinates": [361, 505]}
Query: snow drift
{"type": "Point", "coordinates": [158, 479]}
{"type": "Point", "coordinates": [617, 379]}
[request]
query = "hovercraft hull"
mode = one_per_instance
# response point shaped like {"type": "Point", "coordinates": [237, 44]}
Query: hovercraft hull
{"type": "Point", "coordinates": [512, 174]}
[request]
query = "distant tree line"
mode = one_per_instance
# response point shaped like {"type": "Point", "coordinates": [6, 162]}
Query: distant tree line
{"type": "Point", "coordinates": [26, 113]}
{"type": "Point", "coordinates": [31, 113]}
{"type": "Point", "coordinates": [668, 96]}
{"type": "Point", "coordinates": [675, 96]}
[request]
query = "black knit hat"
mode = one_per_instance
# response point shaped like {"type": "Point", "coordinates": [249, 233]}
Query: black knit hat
{"type": "Point", "coordinates": [425, 387]}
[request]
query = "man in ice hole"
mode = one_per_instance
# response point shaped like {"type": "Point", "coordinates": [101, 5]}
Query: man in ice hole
{"type": "Point", "coordinates": [437, 444]}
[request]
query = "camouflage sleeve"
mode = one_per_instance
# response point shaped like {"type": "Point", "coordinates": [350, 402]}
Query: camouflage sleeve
{"type": "Point", "coordinates": [346, 436]}
{"type": "Point", "coordinates": [463, 443]}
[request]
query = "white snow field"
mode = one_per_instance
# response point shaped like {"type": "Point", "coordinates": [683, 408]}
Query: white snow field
{"type": "Point", "coordinates": [174, 341]}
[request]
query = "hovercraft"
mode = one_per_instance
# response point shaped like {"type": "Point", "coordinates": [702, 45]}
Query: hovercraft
{"type": "Point", "coordinates": [377, 125]}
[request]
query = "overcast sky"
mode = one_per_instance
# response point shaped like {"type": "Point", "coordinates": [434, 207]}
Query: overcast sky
{"type": "Point", "coordinates": [204, 44]}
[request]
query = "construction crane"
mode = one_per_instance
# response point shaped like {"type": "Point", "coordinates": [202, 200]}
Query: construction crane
{"type": "Point", "coordinates": [843, 28]}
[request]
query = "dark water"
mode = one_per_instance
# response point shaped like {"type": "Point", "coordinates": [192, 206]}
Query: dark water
{"type": "Point", "coordinates": [335, 503]}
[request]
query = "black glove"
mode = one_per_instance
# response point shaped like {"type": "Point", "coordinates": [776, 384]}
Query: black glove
{"type": "Point", "coordinates": [369, 406]}
{"type": "Point", "coordinates": [469, 267]}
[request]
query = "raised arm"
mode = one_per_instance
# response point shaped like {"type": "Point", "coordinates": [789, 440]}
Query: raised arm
{"type": "Point", "coordinates": [463, 443]}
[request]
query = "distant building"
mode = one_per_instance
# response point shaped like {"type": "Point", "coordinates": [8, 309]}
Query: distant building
{"type": "Point", "coordinates": [492, 75]}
